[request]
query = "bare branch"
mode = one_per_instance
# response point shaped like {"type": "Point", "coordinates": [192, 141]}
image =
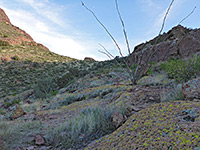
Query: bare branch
{"type": "Point", "coordinates": [143, 49]}
{"type": "Point", "coordinates": [105, 54]}
{"type": "Point", "coordinates": [124, 29]}
{"type": "Point", "coordinates": [106, 51]}
{"type": "Point", "coordinates": [188, 15]}
{"type": "Point", "coordinates": [139, 61]}
{"type": "Point", "coordinates": [165, 17]}
{"type": "Point", "coordinates": [113, 39]}
{"type": "Point", "coordinates": [104, 27]}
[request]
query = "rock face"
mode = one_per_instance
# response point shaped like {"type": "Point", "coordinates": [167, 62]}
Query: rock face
{"type": "Point", "coordinates": [191, 89]}
{"type": "Point", "coordinates": [179, 42]}
{"type": "Point", "coordinates": [4, 17]}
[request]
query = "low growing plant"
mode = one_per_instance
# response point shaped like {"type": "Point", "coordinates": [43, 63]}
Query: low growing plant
{"type": "Point", "coordinates": [45, 87]}
{"type": "Point", "coordinates": [181, 70]}
{"type": "Point", "coordinates": [13, 102]}
{"type": "Point", "coordinates": [4, 43]}
{"type": "Point", "coordinates": [175, 94]}
{"type": "Point", "coordinates": [90, 124]}
{"type": "Point", "coordinates": [16, 57]}
{"type": "Point", "coordinates": [20, 129]}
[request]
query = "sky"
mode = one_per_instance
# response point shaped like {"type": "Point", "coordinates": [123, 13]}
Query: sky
{"type": "Point", "coordinates": [68, 29]}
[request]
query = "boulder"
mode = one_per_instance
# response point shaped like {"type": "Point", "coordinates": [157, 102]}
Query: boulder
{"type": "Point", "coordinates": [191, 89]}
{"type": "Point", "coordinates": [89, 59]}
{"type": "Point", "coordinates": [39, 140]}
{"type": "Point", "coordinates": [16, 112]}
{"type": "Point", "coordinates": [118, 119]}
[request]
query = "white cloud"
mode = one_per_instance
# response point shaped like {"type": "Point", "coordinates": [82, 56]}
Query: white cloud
{"type": "Point", "coordinates": [150, 7]}
{"type": "Point", "coordinates": [46, 9]}
{"type": "Point", "coordinates": [158, 21]}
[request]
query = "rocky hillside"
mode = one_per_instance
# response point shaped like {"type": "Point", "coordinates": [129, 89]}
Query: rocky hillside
{"type": "Point", "coordinates": [179, 42]}
{"type": "Point", "coordinates": [12, 34]}
{"type": "Point", "coordinates": [15, 43]}
{"type": "Point", "coordinates": [52, 102]}
{"type": "Point", "coordinates": [4, 17]}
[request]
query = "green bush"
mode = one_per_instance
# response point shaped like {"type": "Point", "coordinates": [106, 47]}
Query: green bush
{"type": "Point", "coordinates": [68, 100]}
{"type": "Point", "coordinates": [63, 80]}
{"type": "Point", "coordinates": [68, 77]}
{"type": "Point", "coordinates": [90, 124]}
{"type": "Point", "coordinates": [45, 88]}
{"type": "Point", "coordinates": [5, 36]}
{"type": "Point", "coordinates": [20, 129]}
{"type": "Point", "coordinates": [13, 102]}
{"type": "Point", "coordinates": [180, 70]}
{"type": "Point", "coordinates": [150, 70]}
{"type": "Point", "coordinates": [2, 112]}
{"type": "Point", "coordinates": [15, 57]}
{"type": "Point", "coordinates": [4, 43]}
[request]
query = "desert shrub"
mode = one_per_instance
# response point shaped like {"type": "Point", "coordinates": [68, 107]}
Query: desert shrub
{"type": "Point", "coordinates": [195, 65]}
{"type": "Point", "coordinates": [175, 94]}
{"type": "Point", "coordinates": [151, 67]}
{"type": "Point", "coordinates": [20, 129]}
{"type": "Point", "coordinates": [64, 79]}
{"type": "Point", "coordinates": [68, 100]}
{"type": "Point", "coordinates": [65, 101]}
{"type": "Point", "coordinates": [181, 70]}
{"type": "Point", "coordinates": [16, 57]}
{"type": "Point", "coordinates": [13, 102]}
{"type": "Point", "coordinates": [4, 43]}
{"type": "Point", "coordinates": [36, 65]}
{"type": "Point", "coordinates": [45, 87]}
{"type": "Point", "coordinates": [68, 77]}
{"type": "Point", "coordinates": [2, 112]}
{"type": "Point", "coordinates": [90, 124]}
{"type": "Point", "coordinates": [5, 36]}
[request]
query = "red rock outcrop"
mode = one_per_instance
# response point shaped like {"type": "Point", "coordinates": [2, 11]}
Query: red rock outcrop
{"type": "Point", "coordinates": [89, 59]}
{"type": "Point", "coordinates": [179, 42]}
{"type": "Point", "coordinates": [21, 38]}
{"type": "Point", "coordinates": [4, 17]}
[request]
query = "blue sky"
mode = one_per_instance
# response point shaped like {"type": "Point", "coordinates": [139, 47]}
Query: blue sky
{"type": "Point", "coordinates": [66, 28]}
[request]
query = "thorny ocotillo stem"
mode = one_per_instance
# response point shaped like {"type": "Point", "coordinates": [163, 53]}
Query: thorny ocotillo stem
{"type": "Point", "coordinates": [124, 29]}
{"type": "Point", "coordinates": [104, 28]}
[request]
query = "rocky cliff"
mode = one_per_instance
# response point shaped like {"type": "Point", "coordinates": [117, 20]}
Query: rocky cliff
{"type": "Point", "coordinates": [179, 42]}
{"type": "Point", "coordinates": [14, 35]}
{"type": "Point", "coordinates": [4, 17]}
